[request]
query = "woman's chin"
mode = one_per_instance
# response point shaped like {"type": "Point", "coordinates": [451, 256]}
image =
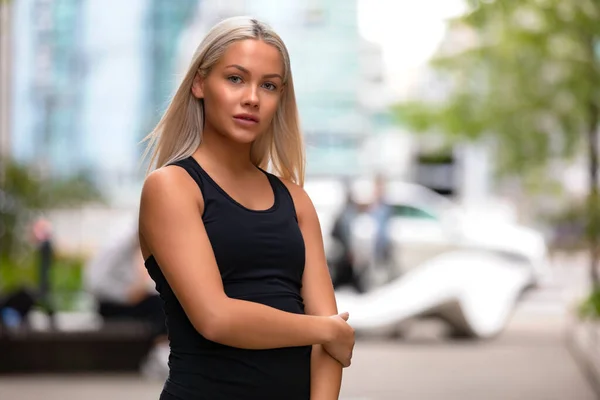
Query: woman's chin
{"type": "Point", "coordinates": [243, 137]}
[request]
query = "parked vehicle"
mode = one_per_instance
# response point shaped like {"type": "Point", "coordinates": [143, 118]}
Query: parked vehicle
{"type": "Point", "coordinates": [466, 267]}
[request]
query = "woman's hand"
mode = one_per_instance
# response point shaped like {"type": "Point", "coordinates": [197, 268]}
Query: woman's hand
{"type": "Point", "coordinates": [342, 343]}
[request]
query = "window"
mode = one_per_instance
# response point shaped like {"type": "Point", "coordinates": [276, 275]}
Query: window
{"type": "Point", "coordinates": [405, 211]}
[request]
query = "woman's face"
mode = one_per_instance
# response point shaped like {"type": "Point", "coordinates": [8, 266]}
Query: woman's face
{"type": "Point", "coordinates": [241, 92]}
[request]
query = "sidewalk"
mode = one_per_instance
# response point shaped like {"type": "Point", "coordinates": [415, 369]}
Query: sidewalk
{"type": "Point", "coordinates": [583, 340]}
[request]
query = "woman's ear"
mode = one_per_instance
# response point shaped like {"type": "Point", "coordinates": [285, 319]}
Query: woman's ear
{"type": "Point", "coordinates": [198, 86]}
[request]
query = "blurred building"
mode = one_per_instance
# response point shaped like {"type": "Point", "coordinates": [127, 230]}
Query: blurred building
{"type": "Point", "coordinates": [128, 85]}
{"type": "Point", "coordinates": [48, 84]}
{"type": "Point", "coordinates": [90, 80]}
{"type": "Point", "coordinates": [165, 22]}
{"type": "Point", "coordinates": [115, 83]}
{"type": "Point", "coordinates": [5, 77]}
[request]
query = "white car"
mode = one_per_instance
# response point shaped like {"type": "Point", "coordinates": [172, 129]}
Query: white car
{"type": "Point", "coordinates": [424, 225]}
{"type": "Point", "coordinates": [465, 267]}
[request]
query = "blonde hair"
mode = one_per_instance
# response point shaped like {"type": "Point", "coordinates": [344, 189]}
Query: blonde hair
{"type": "Point", "coordinates": [179, 132]}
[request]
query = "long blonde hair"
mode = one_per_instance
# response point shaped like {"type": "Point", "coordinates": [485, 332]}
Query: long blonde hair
{"type": "Point", "coordinates": [179, 132]}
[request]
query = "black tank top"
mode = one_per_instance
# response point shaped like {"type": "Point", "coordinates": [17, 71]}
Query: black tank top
{"type": "Point", "coordinates": [261, 257]}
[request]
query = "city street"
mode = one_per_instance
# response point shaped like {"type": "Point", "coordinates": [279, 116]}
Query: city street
{"type": "Point", "coordinates": [528, 361]}
{"type": "Point", "coordinates": [449, 149]}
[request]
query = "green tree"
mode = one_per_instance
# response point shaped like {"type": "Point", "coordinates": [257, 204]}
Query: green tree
{"type": "Point", "coordinates": [23, 195]}
{"type": "Point", "coordinates": [529, 83]}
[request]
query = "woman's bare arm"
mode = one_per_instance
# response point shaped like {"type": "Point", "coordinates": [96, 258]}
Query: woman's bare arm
{"type": "Point", "coordinates": [318, 295]}
{"type": "Point", "coordinates": [172, 230]}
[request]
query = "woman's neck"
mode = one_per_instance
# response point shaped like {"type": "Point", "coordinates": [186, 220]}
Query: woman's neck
{"type": "Point", "coordinates": [218, 151]}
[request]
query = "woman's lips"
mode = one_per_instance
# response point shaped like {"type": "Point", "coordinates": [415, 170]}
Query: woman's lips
{"type": "Point", "coordinates": [245, 120]}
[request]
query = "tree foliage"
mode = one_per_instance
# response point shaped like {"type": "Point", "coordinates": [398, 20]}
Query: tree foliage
{"type": "Point", "coordinates": [24, 195]}
{"type": "Point", "coordinates": [527, 79]}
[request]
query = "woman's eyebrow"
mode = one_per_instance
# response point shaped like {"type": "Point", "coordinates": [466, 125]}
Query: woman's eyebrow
{"type": "Point", "coordinates": [248, 72]}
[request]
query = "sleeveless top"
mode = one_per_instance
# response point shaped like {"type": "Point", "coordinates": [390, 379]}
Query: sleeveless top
{"type": "Point", "coordinates": [260, 255]}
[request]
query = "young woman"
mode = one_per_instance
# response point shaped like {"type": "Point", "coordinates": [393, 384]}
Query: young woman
{"type": "Point", "coordinates": [236, 252]}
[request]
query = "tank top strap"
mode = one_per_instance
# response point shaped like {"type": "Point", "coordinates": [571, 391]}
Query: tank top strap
{"type": "Point", "coordinates": [283, 193]}
{"type": "Point", "coordinates": [194, 170]}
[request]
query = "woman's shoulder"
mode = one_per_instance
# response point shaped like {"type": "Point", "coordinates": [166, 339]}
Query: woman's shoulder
{"type": "Point", "coordinates": [294, 189]}
{"type": "Point", "coordinates": [169, 184]}
{"type": "Point", "coordinates": [300, 197]}
{"type": "Point", "coordinates": [168, 177]}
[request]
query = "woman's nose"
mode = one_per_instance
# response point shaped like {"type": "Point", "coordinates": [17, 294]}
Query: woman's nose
{"type": "Point", "coordinates": [251, 97]}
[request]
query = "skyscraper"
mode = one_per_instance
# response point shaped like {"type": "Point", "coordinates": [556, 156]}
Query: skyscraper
{"type": "Point", "coordinates": [165, 21]}
{"type": "Point", "coordinates": [91, 78]}
{"type": "Point", "coordinates": [5, 78]}
{"type": "Point", "coordinates": [48, 70]}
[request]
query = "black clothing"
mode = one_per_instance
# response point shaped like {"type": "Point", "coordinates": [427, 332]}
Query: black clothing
{"type": "Point", "coordinates": [261, 257]}
{"type": "Point", "coordinates": [149, 310]}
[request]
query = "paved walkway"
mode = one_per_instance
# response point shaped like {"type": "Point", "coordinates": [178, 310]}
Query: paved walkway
{"type": "Point", "coordinates": [529, 362]}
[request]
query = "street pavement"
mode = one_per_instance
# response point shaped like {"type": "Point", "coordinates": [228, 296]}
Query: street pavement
{"type": "Point", "coordinates": [529, 361]}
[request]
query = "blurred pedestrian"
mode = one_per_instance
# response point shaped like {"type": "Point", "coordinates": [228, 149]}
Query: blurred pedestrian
{"type": "Point", "coordinates": [116, 277]}
{"type": "Point", "coordinates": [381, 212]}
{"type": "Point", "coordinates": [236, 252]}
{"type": "Point", "coordinates": [42, 237]}
{"type": "Point", "coordinates": [344, 272]}
{"type": "Point", "coordinates": [15, 306]}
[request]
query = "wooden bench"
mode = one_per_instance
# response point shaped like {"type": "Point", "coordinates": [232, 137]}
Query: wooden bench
{"type": "Point", "coordinates": [115, 347]}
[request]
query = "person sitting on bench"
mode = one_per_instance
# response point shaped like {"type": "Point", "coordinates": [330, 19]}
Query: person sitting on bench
{"type": "Point", "coordinates": [117, 278]}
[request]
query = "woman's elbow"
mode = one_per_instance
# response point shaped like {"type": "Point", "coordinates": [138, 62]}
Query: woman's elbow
{"type": "Point", "coordinates": [210, 331]}
{"type": "Point", "coordinates": [211, 325]}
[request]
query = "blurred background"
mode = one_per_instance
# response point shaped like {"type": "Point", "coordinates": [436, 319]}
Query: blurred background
{"type": "Point", "coordinates": [452, 156]}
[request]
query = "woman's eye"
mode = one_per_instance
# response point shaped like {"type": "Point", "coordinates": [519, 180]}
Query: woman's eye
{"type": "Point", "coordinates": [270, 86]}
{"type": "Point", "coordinates": [235, 79]}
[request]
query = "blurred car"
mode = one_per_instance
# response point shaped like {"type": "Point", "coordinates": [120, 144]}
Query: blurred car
{"type": "Point", "coordinates": [424, 225]}
{"type": "Point", "coordinates": [468, 267]}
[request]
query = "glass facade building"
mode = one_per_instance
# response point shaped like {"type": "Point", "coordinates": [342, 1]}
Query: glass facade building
{"type": "Point", "coordinates": [48, 70]}
{"type": "Point", "coordinates": [165, 22]}
{"type": "Point", "coordinates": [90, 82]}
